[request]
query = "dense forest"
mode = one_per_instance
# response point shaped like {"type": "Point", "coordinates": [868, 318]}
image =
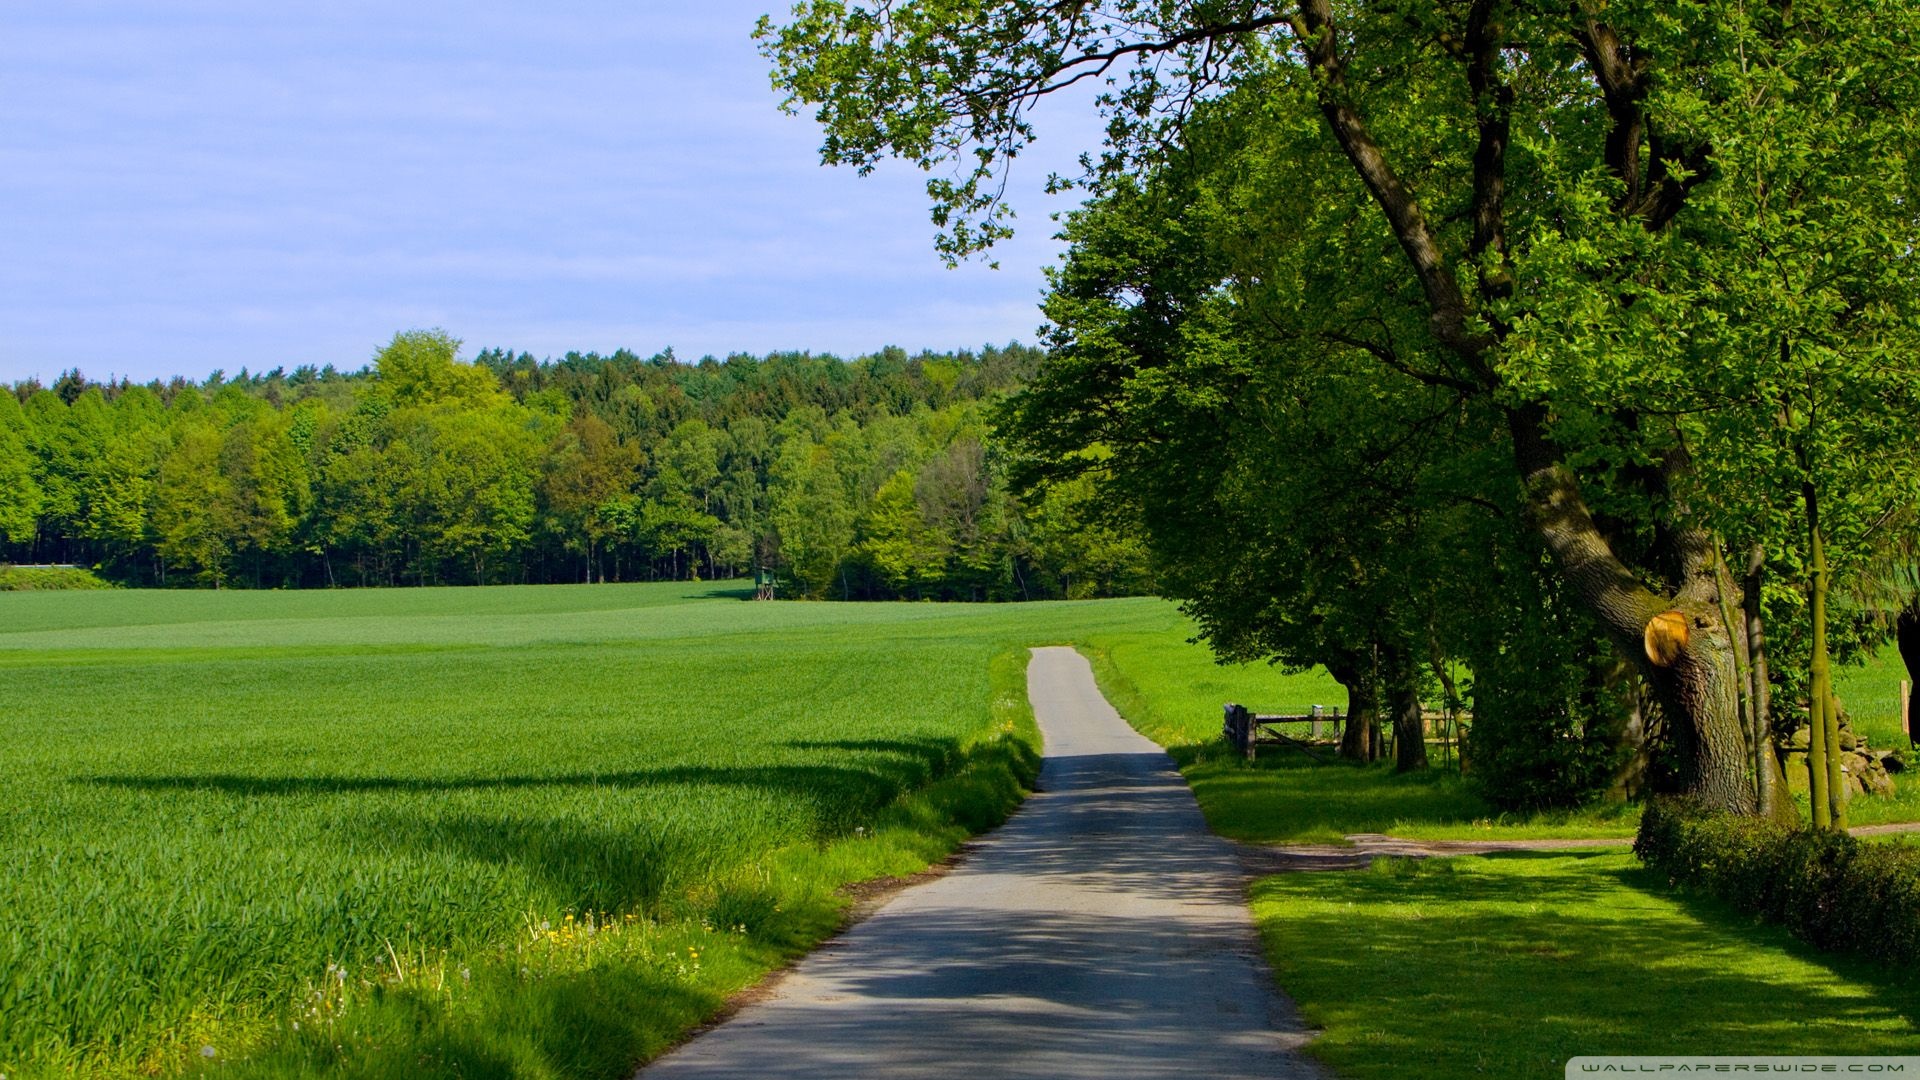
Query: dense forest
{"type": "Point", "coordinates": [868, 478]}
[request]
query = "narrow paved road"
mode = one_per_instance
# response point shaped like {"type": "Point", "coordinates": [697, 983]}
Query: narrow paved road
{"type": "Point", "coordinates": [1100, 933]}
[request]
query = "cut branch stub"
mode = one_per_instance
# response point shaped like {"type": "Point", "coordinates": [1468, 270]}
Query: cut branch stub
{"type": "Point", "coordinates": [1666, 638]}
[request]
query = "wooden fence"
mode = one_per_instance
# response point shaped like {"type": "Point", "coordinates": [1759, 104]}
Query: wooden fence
{"type": "Point", "coordinates": [1906, 711]}
{"type": "Point", "coordinates": [1319, 730]}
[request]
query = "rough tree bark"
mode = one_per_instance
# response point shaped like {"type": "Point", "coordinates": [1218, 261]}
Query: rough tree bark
{"type": "Point", "coordinates": [1402, 677]}
{"type": "Point", "coordinates": [1357, 742]}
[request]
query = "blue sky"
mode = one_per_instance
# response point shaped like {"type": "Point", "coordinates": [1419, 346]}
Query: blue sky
{"type": "Point", "coordinates": [190, 186]}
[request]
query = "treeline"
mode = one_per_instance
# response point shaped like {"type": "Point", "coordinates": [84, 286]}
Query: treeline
{"type": "Point", "coordinates": [870, 478]}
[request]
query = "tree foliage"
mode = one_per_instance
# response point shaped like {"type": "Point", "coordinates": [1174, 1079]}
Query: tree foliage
{"type": "Point", "coordinates": [860, 479]}
{"type": "Point", "coordinates": [1657, 256]}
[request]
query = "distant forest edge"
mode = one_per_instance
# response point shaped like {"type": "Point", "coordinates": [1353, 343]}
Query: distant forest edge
{"type": "Point", "coordinates": [868, 478]}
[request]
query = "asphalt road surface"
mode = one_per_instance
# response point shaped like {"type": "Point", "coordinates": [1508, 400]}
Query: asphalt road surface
{"type": "Point", "coordinates": [1102, 932]}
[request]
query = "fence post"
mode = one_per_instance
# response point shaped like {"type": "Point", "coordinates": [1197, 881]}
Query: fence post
{"type": "Point", "coordinates": [1906, 710]}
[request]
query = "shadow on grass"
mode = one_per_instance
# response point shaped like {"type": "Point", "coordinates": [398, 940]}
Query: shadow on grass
{"type": "Point", "coordinates": [1508, 965]}
{"type": "Point", "coordinates": [886, 768]}
{"type": "Point", "coordinates": [642, 864]}
{"type": "Point", "coordinates": [1551, 853]}
{"type": "Point", "coordinates": [1288, 798]}
{"type": "Point", "coordinates": [589, 1023]}
{"type": "Point", "coordinates": [1291, 798]}
{"type": "Point", "coordinates": [1897, 988]}
{"type": "Point", "coordinates": [938, 756]}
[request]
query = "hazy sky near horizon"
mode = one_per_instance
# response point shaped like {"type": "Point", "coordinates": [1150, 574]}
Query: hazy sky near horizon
{"type": "Point", "coordinates": [188, 186]}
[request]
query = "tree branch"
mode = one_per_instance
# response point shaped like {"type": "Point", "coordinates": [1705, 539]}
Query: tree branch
{"type": "Point", "coordinates": [1392, 359]}
{"type": "Point", "coordinates": [1650, 191]}
{"type": "Point", "coordinates": [1493, 109]}
{"type": "Point", "coordinates": [1446, 307]}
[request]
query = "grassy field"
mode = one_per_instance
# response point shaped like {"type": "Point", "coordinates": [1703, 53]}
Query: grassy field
{"type": "Point", "coordinates": [1871, 693]}
{"type": "Point", "coordinates": [507, 831]}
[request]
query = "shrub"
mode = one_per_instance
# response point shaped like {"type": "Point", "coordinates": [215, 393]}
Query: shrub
{"type": "Point", "coordinates": [1827, 888]}
{"type": "Point", "coordinates": [41, 578]}
{"type": "Point", "coordinates": [1549, 708]}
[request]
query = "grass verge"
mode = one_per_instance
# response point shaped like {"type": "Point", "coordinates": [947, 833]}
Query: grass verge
{"type": "Point", "coordinates": [1174, 697]}
{"type": "Point", "coordinates": [1507, 965]}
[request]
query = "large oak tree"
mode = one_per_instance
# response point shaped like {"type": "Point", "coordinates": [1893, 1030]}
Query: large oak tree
{"type": "Point", "coordinates": [1547, 174]}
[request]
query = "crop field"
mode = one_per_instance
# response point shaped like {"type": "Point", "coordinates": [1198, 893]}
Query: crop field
{"type": "Point", "coordinates": [509, 831]}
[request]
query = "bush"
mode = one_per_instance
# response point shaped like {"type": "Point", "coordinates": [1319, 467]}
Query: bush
{"type": "Point", "coordinates": [1549, 707]}
{"type": "Point", "coordinates": [42, 578]}
{"type": "Point", "coordinates": [1827, 888]}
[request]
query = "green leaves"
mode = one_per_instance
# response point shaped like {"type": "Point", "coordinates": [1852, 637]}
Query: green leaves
{"type": "Point", "coordinates": [948, 84]}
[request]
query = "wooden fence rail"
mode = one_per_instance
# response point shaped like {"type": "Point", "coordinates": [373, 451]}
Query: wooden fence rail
{"type": "Point", "coordinates": [1247, 731]}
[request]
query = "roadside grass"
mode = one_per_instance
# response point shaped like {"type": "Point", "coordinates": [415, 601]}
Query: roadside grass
{"type": "Point", "coordinates": [1507, 965]}
{"type": "Point", "coordinates": [1174, 696]}
{"type": "Point", "coordinates": [485, 832]}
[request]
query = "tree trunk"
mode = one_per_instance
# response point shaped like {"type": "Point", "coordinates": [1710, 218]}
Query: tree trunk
{"type": "Point", "coordinates": [1356, 741]}
{"type": "Point", "coordinates": [1776, 801]}
{"type": "Point", "coordinates": [1699, 693]}
{"type": "Point", "coordinates": [1403, 699]}
{"type": "Point", "coordinates": [1680, 644]}
{"type": "Point", "coordinates": [1823, 720]}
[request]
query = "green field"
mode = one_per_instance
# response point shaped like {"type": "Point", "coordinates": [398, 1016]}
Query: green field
{"type": "Point", "coordinates": [1871, 693]}
{"type": "Point", "coordinates": [371, 813]}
